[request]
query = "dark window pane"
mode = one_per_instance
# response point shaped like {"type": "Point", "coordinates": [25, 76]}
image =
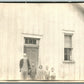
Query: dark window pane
{"type": "Point", "coordinates": [67, 53]}
{"type": "Point", "coordinates": [30, 41]}
{"type": "Point", "coordinates": [34, 41]}
{"type": "Point", "coordinates": [26, 40]}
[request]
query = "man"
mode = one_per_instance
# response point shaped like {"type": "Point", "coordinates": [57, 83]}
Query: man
{"type": "Point", "coordinates": [24, 67]}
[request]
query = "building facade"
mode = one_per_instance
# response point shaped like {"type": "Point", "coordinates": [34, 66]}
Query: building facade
{"type": "Point", "coordinates": [51, 35]}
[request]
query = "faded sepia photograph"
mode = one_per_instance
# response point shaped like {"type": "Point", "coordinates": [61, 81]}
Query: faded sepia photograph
{"type": "Point", "coordinates": [42, 41]}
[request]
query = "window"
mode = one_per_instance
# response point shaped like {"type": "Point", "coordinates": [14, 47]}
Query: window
{"type": "Point", "coordinates": [67, 47]}
{"type": "Point", "coordinates": [30, 41]}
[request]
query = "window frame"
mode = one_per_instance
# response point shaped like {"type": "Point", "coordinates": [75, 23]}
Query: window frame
{"type": "Point", "coordinates": [68, 32]}
{"type": "Point", "coordinates": [69, 58]}
{"type": "Point", "coordinates": [36, 36]}
{"type": "Point", "coordinates": [29, 41]}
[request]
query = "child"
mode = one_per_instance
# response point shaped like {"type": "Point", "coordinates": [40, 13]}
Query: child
{"type": "Point", "coordinates": [47, 73]}
{"type": "Point", "coordinates": [40, 73]}
{"type": "Point", "coordinates": [33, 71]}
{"type": "Point", "coordinates": [53, 74]}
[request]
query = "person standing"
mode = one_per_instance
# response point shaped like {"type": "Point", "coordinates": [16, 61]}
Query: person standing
{"type": "Point", "coordinates": [53, 74]}
{"type": "Point", "coordinates": [47, 73]}
{"type": "Point", "coordinates": [25, 67]}
{"type": "Point", "coordinates": [40, 73]}
{"type": "Point", "coordinates": [33, 71]}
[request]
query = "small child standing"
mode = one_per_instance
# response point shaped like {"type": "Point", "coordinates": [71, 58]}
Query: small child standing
{"type": "Point", "coordinates": [53, 74]}
{"type": "Point", "coordinates": [33, 72]}
{"type": "Point", "coordinates": [47, 73]}
{"type": "Point", "coordinates": [40, 73]}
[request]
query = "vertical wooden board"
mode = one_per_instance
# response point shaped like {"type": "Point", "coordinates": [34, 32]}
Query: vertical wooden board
{"type": "Point", "coordinates": [19, 43]}
{"type": "Point", "coordinates": [61, 66]}
{"type": "Point", "coordinates": [76, 54]}
{"type": "Point", "coordinates": [47, 47]}
{"type": "Point", "coordinates": [1, 34]}
{"type": "Point", "coordinates": [35, 15]}
{"type": "Point", "coordinates": [40, 21]}
{"type": "Point", "coordinates": [72, 71]}
{"type": "Point", "coordinates": [4, 56]}
{"type": "Point", "coordinates": [82, 60]}
{"type": "Point", "coordinates": [64, 75]}
{"type": "Point", "coordinates": [11, 37]}
{"type": "Point", "coordinates": [76, 68]}
{"type": "Point", "coordinates": [82, 52]}
{"type": "Point", "coordinates": [81, 55]}
{"type": "Point", "coordinates": [60, 53]}
{"type": "Point", "coordinates": [19, 54]}
{"type": "Point", "coordinates": [10, 40]}
{"type": "Point", "coordinates": [30, 16]}
{"type": "Point", "coordinates": [4, 46]}
{"type": "Point", "coordinates": [1, 54]}
{"type": "Point", "coordinates": [66, 71]}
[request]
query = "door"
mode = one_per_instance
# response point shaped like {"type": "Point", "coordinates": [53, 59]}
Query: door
{"type": "Point", "coordinates": [32, 53]}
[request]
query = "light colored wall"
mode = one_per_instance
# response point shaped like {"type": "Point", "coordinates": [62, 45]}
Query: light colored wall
{"type": "Point", "coordinates": [48, 20]}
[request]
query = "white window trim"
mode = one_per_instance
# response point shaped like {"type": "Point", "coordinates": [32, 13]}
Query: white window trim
{"type": "Point", "coordinates": [69, 62]}
{"type": "Point", "coordinates": [37, 36]}
{"type": "Point", "coordinates": [68, 32]}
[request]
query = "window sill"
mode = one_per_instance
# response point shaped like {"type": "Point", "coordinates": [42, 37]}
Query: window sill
{"type": "Point", "coordinates": [31, 45]}
{"type": "Point", "coordinates": [69, 62]}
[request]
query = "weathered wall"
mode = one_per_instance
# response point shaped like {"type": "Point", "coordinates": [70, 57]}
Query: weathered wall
{"type": "Point", "coordinates": [48, 20]}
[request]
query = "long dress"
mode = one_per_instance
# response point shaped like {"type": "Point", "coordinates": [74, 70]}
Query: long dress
{"type": "Point", "coordinates": [53, 75]}
{"type": "Point", "coordinates": [47, 75]}
{"type": "Point", "coordinates": [33, 73]}
{"type": "Point", "coordinates": [24, 70]}
{"type": "Point", "coordinates": [40, 75]}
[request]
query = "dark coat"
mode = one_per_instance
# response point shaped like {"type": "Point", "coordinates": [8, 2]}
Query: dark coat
{"type": "Point", "coordinates": [21, 64]}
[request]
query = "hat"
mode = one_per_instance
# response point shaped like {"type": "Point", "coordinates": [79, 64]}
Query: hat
{"type": "Point", "coordinates": [24, 54]}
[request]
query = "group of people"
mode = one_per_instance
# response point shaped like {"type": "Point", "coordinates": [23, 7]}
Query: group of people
{"type": "Point", "coordinates": [29, 72]}
{"type": "Point", "coordinates": [45, 74]}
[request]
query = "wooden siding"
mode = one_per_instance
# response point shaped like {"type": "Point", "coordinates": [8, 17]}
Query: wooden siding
{"type": "Point", "coordinates": [48, 20]}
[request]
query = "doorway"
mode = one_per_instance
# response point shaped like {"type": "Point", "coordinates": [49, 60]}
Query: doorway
{"type": "Point", "coordinates": [31, 49]}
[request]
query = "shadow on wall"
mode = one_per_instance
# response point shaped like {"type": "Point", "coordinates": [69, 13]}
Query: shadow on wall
{"type": "Point", "coordinates": [80, 9]}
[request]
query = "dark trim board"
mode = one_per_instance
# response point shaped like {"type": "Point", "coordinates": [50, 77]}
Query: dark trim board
{"type": "Point", "coordinates": [41, 1]}
{"type": "Point", "coordinates": [39, 83]}
{"type": "Point", "coordinates": [42, 81]}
